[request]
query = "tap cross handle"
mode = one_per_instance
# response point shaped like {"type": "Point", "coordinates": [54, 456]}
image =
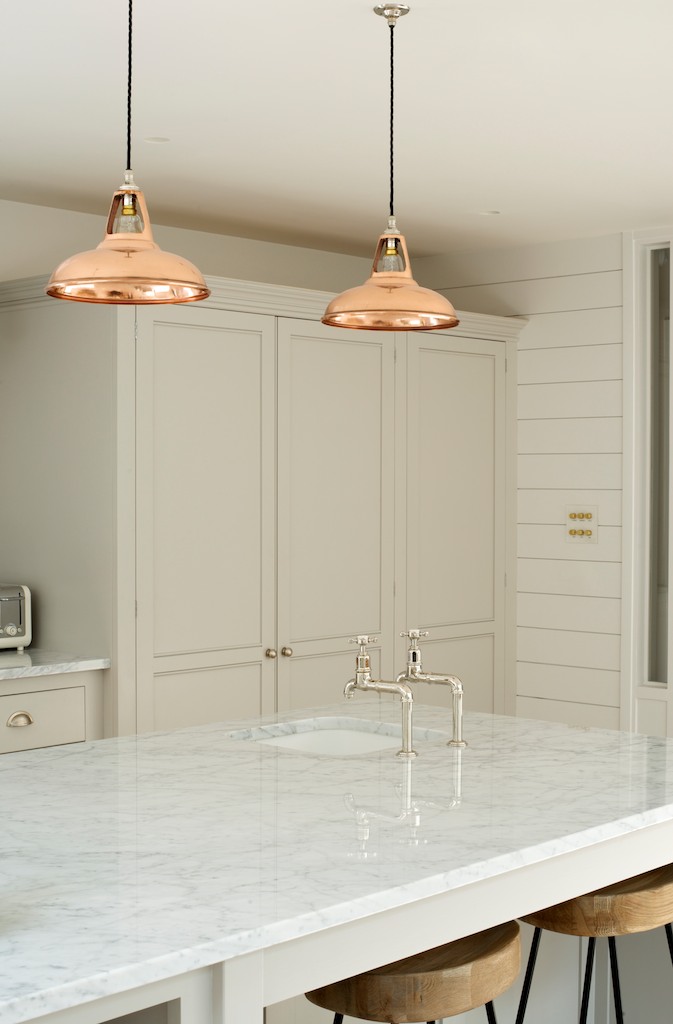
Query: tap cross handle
{"type": "Point", "coordinates": [416, 634]}
{"type": "Point", "coordinates": [363, 640]}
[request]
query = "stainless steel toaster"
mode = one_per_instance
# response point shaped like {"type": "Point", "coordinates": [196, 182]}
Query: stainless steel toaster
{"type": "Point", "coordinates": [15, 618]}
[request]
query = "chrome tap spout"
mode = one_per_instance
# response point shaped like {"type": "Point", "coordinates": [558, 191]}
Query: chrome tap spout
{"type": "Point", "coordinates": [414, 674]}
{"type": "Point", "coordinates": [363, 681]}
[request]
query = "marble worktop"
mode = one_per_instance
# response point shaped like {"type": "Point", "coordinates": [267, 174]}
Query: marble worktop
{"type": "Point", "coordinates": [35, 662]}
{"type": "Point", "coordinates": [130, 860]}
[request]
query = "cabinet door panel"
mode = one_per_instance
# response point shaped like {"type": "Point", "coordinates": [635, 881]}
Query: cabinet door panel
{"type": "Point", "coordinates": [224, 693]}
{"type": "Point", "coordinates": [456, 508]}
{"type": "Point", "coordinates": [204, 491]}
{"type": "Point", "coordinates": [207, 475]}
{"type": "Point", "coordinates": [455, 504]}
{"type": "Point", "coordinates": [335, 491]}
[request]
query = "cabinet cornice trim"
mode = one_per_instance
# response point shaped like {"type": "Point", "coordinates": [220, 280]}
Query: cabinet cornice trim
{"type": "Point", "coordinates": [275, 300]}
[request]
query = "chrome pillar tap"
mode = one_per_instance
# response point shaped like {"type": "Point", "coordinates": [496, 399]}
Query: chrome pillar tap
{"type": "Point", "coordinates": [363, 681]}
{"type": "Point", "coordinates": [414, 674]}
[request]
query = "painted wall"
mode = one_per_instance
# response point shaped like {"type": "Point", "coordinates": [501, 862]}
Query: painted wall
{"type": "Point", "coordinates": [570, 457]}
{"type": "Point", "coordinates": [57, 415]}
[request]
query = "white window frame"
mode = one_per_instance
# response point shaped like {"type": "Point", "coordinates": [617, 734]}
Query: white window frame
{"type": "Point", "coordinates": [642, 702]}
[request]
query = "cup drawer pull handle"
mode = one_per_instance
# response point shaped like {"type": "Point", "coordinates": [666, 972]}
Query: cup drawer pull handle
{"type": "Point", "coordinates": [19, 719]}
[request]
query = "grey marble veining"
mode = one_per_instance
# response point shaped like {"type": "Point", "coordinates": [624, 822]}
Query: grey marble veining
{"type": "Point", "coordinates": [130, 860]}
{"type": "Point", "coordinates": [35, 662]}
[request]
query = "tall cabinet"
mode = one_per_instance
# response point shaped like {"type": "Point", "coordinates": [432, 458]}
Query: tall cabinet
{"type": "Point", "coordinates": [229, 491]}
{"type": "Point", "coordinates": [454, 522]}
{"type": "Point", "coordinates": [265, 499]}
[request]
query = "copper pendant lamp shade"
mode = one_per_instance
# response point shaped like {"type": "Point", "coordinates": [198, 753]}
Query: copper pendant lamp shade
{"type": "Point", "coordinates": [128, 266]}
{"type": "Point", "coordinates": [390, 300]}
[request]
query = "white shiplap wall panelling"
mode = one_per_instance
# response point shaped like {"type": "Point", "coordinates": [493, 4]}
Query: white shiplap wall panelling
{"type": "Point", "coordinates": [565, 647]}
{"type": "Point", "coordinates": [568, 401]}
{"type": "Point", "coordinates": [551, 542]}
{"type": "Point", "coordinates": [572, 328]}
{"type": "Point", "coordinates": [580, 685]}
{"type": "Point", "coordinates": [550, 506]}
{"type": "Point", "coordinates": [570, 457]}
{"type": "Point", "coordinates": [560, 365]}
{"type": "Point", "coordinates": [570, 471]}
{"type": "Point", "coordinates": [584, 614]}
{"type": "Point", "coordinates": [587, 715]}
{"type": "Point", "coordinates": [570, 435]}
{"type": "Point", "coordinates": [572, 578]}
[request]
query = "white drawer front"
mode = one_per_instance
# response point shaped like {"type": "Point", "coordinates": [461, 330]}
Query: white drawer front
{"type": "Point", "coordinates": [41, 719]}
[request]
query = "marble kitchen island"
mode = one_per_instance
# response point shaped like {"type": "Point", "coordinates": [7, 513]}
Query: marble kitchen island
{"type": "Point", "coordinates": [228, 874]}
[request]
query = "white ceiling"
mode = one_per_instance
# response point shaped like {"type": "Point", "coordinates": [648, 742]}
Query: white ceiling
{"type": "Point", "coordinates": [560, 116]}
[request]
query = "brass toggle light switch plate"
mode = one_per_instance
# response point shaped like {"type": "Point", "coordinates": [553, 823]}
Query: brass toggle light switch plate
{"type": "Point", "coordinates": [581, 524]}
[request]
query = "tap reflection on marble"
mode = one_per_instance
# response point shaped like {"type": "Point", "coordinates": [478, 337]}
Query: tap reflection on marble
{"type": "Point", "coordinates": [363, 681]}
{"type": "Point", "coordinates": [414, 674]}
{"type": "Point", "coordinates": [410, 812]}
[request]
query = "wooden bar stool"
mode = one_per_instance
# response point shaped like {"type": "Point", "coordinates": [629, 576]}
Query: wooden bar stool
{"type": "Point", "coordinates": [639, 904]}
{"type": "Point", "coordinates": [439, 983]}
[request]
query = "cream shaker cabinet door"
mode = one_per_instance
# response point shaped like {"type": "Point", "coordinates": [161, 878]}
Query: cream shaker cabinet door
{"type": "Point", "coordinates": [335, 505]}
{"type": "Point", "coordinates": [455, 509]}
{"type": "Point", "coordinates": [205, 515]}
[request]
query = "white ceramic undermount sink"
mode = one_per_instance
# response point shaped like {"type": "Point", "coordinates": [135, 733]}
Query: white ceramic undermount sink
{"type": "Point", "coordinates": [331, 736]}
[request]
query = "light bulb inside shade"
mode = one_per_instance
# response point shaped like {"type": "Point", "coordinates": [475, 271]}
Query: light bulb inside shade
{"type": "Point", "coordinates": [391, 257]}
{"type": "Point", "coordinates": [125, 215]}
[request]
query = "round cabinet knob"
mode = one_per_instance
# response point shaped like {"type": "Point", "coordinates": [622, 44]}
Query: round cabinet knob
{"type": "Point", "coordinates": [287, 652]}
{"type": "Point", "coordinates": [11, 629]}
{"type": "Point", "coordinates": [19, 719]}
{"type": "Point", "coordinates": [271, 652]}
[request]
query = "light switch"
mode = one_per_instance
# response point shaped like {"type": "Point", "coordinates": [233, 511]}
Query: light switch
{"type": "Point", "coordinates": [581, 524]}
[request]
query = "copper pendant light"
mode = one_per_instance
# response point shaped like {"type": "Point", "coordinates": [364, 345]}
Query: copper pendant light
{"type": "Point", "coordinates": [128, 266]}
{"type": "Point", "coordinates": [390, 300]}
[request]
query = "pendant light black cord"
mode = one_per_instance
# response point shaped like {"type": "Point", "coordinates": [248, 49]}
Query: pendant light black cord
{"type": "Point", "coordinates": [392, 107]}
{"type": "Point", "coordinates": [128, 95]}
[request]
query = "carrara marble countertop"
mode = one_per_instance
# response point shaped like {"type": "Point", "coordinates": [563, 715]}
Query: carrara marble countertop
{"type": "Point", "coordinates": [35, 662]}
{"type": "Point", "coordinates": [130, 860]}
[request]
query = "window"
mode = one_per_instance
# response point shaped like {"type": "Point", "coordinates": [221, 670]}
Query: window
{"type": "Point", "coordinates": [647, 637]}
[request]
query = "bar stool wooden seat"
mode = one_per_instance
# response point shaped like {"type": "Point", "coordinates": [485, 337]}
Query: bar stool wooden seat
{"type": "Point", "coordinates": [441, 982]}
{"type": "Point", "coordinates": [637, 904]}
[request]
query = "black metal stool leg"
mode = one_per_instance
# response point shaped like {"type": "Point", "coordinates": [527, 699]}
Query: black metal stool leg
{"type": "Point", "coordinates": [669, 936]}
{"type": "Point", "coordinates": [338, 1018]}
{"type": "Point", "coordinates": [530, 967]}
{"type": "Point", "coordinates": [588, 972]}
{"type": "Point", "coordinates": [616, 988]}
{"type": "Point", "coordinates": [490, 1013]}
